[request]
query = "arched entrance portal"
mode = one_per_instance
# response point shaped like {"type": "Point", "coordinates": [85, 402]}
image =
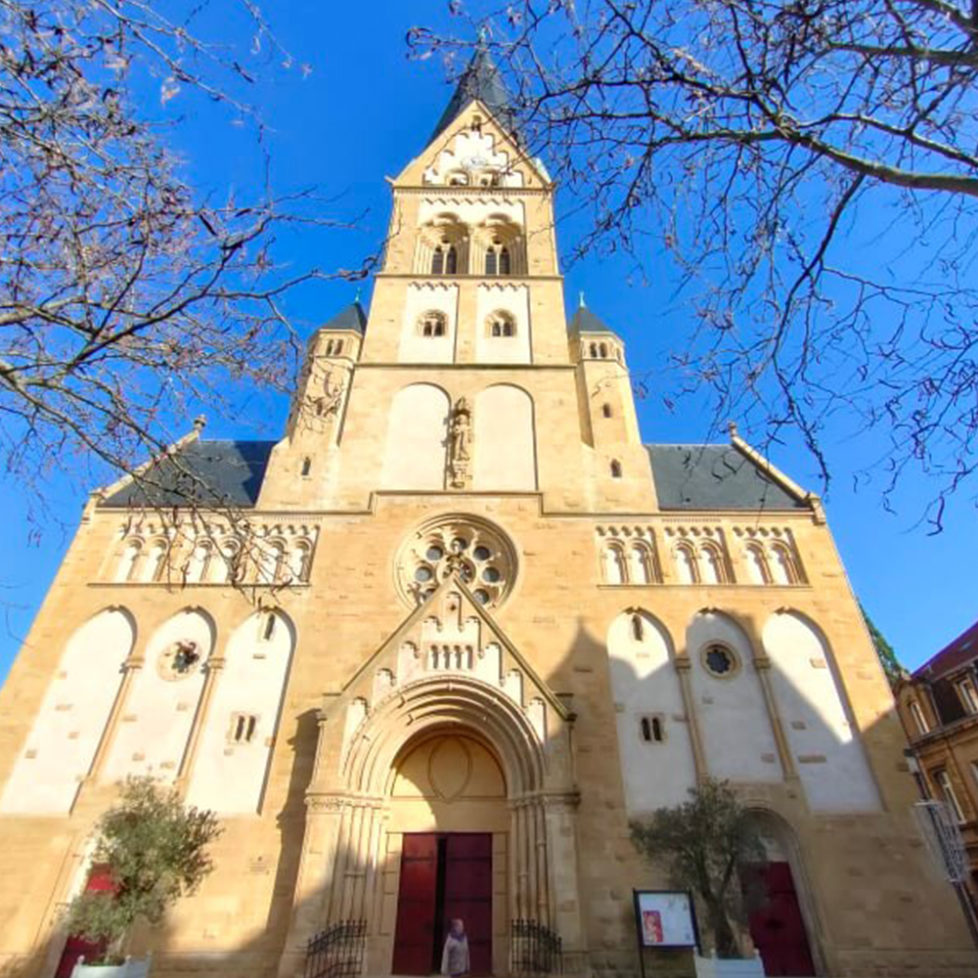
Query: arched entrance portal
{"type": "Point", "coordinates": [781, 924]}
{"type": "Point", "coordinates": [446, 843]}
{"type": "Point", "coordinates": [443, 770]}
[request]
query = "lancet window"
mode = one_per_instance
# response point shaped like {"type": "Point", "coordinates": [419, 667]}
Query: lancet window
{"type": "Point", "coordinates": [498, 260]}
{"type": "Point", "coordinates": [501, 324]}
{"type": "Point", "coordinates": [433, 324]}
{"type": "Point", "coordinates": [444, 260]}
{"type": "Point", "coordinates": [770, 555]}
{"type": "Point", "coordinates": [628, 556]}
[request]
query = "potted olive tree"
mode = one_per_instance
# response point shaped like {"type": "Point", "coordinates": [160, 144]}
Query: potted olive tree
{"type": "Point", "coordinates": [154, 849]}
{"type": "Point", "coordinates": [705, 844]}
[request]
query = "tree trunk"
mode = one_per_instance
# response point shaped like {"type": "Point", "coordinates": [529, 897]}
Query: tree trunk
{"type": "Point", "coordinates": [724, 937]}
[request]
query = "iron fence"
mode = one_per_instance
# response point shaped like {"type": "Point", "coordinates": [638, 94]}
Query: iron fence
{"type": "Point", "coordinates": [534, 949]}
{"type": "Point", "coordinates": [337, 952]}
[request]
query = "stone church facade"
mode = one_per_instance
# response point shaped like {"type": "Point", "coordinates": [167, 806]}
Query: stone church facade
{"type": "Point", "coordinates": [462, 624]}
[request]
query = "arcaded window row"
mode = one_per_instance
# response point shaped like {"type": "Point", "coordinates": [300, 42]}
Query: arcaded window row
{"type": "Point", "coordinates": [629, 556]}
{"type": "Point", "coordinates": [278, 556]}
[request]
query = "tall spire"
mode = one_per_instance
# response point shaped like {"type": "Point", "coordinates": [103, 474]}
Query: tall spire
{"type": "Point", "coordinates": [481, 80]}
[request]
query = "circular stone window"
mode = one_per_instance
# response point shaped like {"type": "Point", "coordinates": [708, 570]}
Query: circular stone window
{"type": "Point", "coordinates": [466, 548]}
{"type": "Point", "coordinates": [720, 660]}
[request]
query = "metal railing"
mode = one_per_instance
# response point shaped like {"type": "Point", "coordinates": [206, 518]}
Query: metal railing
{"type": "Point", "coordinates": [337, 952]}
{"type": "Point", "coordinates": [534, 949]}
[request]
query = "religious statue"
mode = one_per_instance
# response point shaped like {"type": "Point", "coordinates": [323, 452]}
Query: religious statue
{"type": "Point", "coordinates": [459, 442]}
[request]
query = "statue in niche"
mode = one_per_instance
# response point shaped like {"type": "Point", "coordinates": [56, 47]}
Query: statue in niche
{"type": "Point", "coordinates": [459, 443]}
{"type": "Point", "coordinates": [326, 405]}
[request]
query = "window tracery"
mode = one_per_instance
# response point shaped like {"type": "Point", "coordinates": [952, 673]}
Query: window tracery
{"type": "Point", "coordinates": [474, 550]}
{"type": "Point", "coordinates": [498, 248]}
{"type": "Point", "coordinates": [771, 555]}
{"type": "Point", "coordinates": [501, 323]}
{"type": "Point", "coordinates": [205, 553]}
{"type": "Point", "coordinates": [433, 323]}
{"type": "Point", "coordinates": [699, 554]}
{"type": "Point", "coordinates": [628, 555]}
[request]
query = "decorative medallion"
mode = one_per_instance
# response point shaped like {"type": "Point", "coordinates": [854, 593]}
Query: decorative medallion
{"type": "Point", "coordinates": [179, 660]}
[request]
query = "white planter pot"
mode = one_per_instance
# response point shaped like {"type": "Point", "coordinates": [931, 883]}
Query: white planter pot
{"type": "Point", "coordinates": [128, 969]}
{"type": "Point", "coordinates": [729, 967]}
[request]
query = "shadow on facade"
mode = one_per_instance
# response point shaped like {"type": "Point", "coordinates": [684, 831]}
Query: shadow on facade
{"type": "Point", "coordinates": [838, 859]}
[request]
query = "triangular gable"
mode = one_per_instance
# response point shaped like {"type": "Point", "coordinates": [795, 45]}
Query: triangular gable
{"type": "Point", "coordinates": [451, 634]}
{"type": "Point", "coordinates": [458, 143]}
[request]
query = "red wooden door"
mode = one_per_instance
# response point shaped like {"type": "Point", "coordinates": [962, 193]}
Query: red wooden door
{"type": "Point", "coordinates": [468, 894]}
{"type": "Point", "coordinates": [98, 879]}
{"type": "Point", "coordinates": [777, 928]}
{"type": "Point", "coordinates": [414, 936]}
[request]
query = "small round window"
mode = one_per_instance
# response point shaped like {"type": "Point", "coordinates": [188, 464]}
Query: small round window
{"type": "Point", "coordinates": [720, 660]}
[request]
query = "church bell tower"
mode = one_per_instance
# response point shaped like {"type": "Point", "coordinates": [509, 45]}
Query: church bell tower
{"type": "Point", "coordinates": [465, 357]}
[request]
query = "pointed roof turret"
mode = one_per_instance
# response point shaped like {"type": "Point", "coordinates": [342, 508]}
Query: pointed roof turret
{"type": "Point", "coordinates": [352, 317]}
{"type": "Point", "coordinates": [481, 80]}
{"type": "Point", "coordinates": [585, 321]}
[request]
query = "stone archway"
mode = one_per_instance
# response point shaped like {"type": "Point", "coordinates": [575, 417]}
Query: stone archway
{"type": "Point", "coordinates": [444, 853]}
{"type": "Point", "coordinates": [784, 853]}
{"type": "Point", "coordinates": [346, 852]}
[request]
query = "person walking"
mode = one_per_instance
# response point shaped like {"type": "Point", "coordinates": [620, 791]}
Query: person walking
{"type": "Point", "coordinates": [455, 957]}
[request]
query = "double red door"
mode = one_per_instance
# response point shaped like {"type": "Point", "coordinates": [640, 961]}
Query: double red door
{"type": "Point", "coordinates": [443, 877]}
{"type": "Point", "coordinates": [98, 879]}
{"type": "Point", "coordinates": [777, 928]}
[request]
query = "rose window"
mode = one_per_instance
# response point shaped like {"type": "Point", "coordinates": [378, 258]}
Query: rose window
{"type": "Point", "coordinates": [719, 660]}
{"type": "Point", "coordinates": [475, 551]}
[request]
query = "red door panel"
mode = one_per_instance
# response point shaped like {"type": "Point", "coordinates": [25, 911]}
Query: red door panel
{"type": "Point", "coordinates": [414, 934]}
{"type": "Point", "coordinates": [98, 879]}
{"type": "Point", "coordinates": [777, 928]}
{"type": "Point", "coordinates": [468, 894]}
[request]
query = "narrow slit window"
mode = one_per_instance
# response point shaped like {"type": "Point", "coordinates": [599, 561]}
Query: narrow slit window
{"type": "Point", "coordinates": [504, 262]}
{"type": "Point", "coordinates": [269, 628]}
{"type": "Point", "coordinates": [244, 726]}
{"type": "Point", "coordinates": [451, 261]}
{"type": "Point", "coordinates": [646, 729]}
{"type": "Point", "coordinates": [306, 465]}
{"type": "Point", "coordinates": [638, 629]}
{"type": "Point", "coordinates": [606, 410]}
{"type": "Point", "coordinates": [616, 469]}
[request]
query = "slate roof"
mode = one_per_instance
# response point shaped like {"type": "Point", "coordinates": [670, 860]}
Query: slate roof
{"type": "Point", "coordinates": [714, 477]}
{"type": "Point", "coordinates": [211, 473]}
{"type": "Point", "coordinates": [959, 653]}
{"type": "Point", "coordinates": [352, 317]}
{"type": "Point", "coordinates": [481, 80]}
{"type": "Point", "coordinates": [585, 321]}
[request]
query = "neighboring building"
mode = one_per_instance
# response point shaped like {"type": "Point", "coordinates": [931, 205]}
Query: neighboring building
{"type": "Point", "coordinates": [938, 705]}
{"type": "Point", "coordinates": [473, 625]}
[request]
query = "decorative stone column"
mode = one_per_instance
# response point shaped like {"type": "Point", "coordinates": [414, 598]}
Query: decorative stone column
{"type": "Point", "coordinates": [762, 664]}
{"type": "Point", "coordinates": [132, 664]}
{"type": "Point", "coordinates": [212, 672]}
{"type": "Point", "coordinates": [683, 665]}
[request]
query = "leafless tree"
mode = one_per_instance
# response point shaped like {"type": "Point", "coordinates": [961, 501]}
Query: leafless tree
{"type": "Point", "coordinates": [126, 300]}
{"type": "Point", "coordinates": [811, 167]}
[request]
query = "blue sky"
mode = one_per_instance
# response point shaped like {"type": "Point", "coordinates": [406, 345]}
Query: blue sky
{"type": "Point", "coordinates": [362, 112]}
